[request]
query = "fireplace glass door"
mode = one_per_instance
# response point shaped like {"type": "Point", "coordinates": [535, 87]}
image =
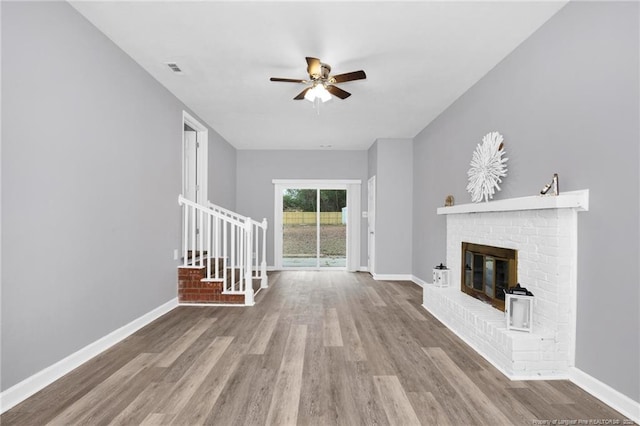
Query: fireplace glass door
{"type": "Point", "coordinates": [488, 271]}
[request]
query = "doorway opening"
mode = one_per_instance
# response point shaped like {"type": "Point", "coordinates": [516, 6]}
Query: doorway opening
{"type": "Point", "coordinates": [195, 168]}
{"type": "Point", "coordinates": [371, 225]}
{"type": "Point", "coordinates": [317, 225]}
{"type": "Point", "coordinates": [194, 159]}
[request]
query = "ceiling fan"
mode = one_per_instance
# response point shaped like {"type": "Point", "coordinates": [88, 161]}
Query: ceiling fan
{"type": "Point", "coordinates": [321, 84]}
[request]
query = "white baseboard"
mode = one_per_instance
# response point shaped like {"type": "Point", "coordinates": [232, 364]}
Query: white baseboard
{"type": "Point", "coordinates": [29, 386]}
{"type": "Point", "coordinates": [391, 277]}
{"type": "Point", "coordinates": [364, 269]}
{"type": "Point", "coordinates": [605, 393]}
{"type": "Point", "coordinates": [418, 281]}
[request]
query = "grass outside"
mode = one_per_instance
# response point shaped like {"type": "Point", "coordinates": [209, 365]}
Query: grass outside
{"type": "Point", "coordinates": [300, 241]}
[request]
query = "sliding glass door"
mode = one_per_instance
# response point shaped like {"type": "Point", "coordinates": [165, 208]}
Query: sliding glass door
{"type": "Point", "coordinates": [316, 224]}
{"type": "Point", "coordinates": [299, 228]}
{"type": "Point", "coordinates": [314, 228]}
{"type": "Point", "coordinates": [332, 228]}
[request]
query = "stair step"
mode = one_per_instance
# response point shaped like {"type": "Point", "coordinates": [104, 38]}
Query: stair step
{"type": "Point", "coordinates": [191, 254]}
{"type": "Point", "coordinates": [193, 287]}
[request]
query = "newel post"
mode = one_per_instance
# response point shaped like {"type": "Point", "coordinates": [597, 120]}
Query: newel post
{"type": "Point", "coordinates": [248, 273]}
{"type": "Point", "coordinates": [263, 265]}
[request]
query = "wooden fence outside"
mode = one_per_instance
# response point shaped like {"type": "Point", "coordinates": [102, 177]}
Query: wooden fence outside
{"type": "Point", "coordinates": [309, 218]}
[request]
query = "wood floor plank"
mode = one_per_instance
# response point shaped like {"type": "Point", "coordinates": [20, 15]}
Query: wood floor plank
{"type": "Point", "coordinates": [259, 394]}
{"type": "Point", "coordinates": [374, 297]}
{"type": "Point", "coordinates": [168, 357]}
{"type": "Point", "coordinates": [201, 405]}
{"type": "Point", "coordinates": [181, 393]}
{"type": "Point", "coordinates": [286, 395]}
{"type": "Point", "coordinates": [332, 336]}
{"type": "Point", "coordinates": [157, 419]}
{"type": "Point", "coordinates": [144, 403]}
{"type": "Point", "coordinates": [485, 408]}
{"type": "Point", "coordinates": [241, 386]}
{"type": "Point", "coordinates": [353, 344]}
{"type": "Point", "coordinates": [343, 389]}
{"type": "Point", "coordinates": [411, 310]}
{"type": "Point", "coordinates": [316, 406]}
{"type": "Point", "coordinates": [263, 332]}
{"type": "Point", "coordinates": [318, 348]}
{"type": "Point", "coordinates": [500, 390]}
{"type": "Point", "coordinates": [428, 409]}
{"type": "Point", "coordinates": [394, 401]}
{"type": "Point", "coordinates": [375, 346]}
{"type": "Point", "coordinates": [370, 410]}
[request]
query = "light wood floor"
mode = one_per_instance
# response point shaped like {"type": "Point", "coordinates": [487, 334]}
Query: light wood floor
{"type": "Point", "coordinates": [318, 348]}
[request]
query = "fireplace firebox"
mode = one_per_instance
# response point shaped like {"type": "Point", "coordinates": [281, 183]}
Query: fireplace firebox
{"type": "Point", "coordinates": [487, 271]}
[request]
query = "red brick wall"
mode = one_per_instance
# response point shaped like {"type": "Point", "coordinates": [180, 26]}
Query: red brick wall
{"type": "Point", "coordinates": [192, 288]}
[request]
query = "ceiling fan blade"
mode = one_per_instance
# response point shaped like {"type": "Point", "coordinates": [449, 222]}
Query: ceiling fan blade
{"type": "Point", "coordinates": [313, 66]}
{"type": "Point", "coordinates": [350, 76]}
{"type": "Point", "coordinates": [301, 94]}
{"type": "Point", "coordinates": [287, 80]}
{"type": "Point", "coordinates": [336, 91]}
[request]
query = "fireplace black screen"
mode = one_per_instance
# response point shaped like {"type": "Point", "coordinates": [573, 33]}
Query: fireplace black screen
{"type": "Point", "coordinates": [487, 271]}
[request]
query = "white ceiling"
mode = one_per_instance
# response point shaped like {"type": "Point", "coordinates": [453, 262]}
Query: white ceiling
{"type": "Point", "coordinates": [419, 58]}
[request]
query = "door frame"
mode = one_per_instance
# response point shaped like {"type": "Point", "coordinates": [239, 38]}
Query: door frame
{"type": "Point", "coordinates": [371, 224]}
{"type": "Point", "coordinates": [352, 186]}
{"type": "Point", "coordinates": [202, 148]}
{"type": "Point", "coordinates": [202, 166]}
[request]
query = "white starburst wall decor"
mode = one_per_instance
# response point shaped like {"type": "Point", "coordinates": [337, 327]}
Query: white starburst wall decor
{"type": "Point", "coordinates": [488, 167]}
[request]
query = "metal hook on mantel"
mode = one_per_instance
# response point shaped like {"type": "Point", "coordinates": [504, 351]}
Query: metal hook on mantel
{"type": "Point", "coordinates": [554, 186]}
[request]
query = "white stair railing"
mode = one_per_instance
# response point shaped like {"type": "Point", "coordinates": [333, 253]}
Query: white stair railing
{"type": "Point", "coordinates": [259, 231]}
{"type": "Point", "coordinates": [224, 242]}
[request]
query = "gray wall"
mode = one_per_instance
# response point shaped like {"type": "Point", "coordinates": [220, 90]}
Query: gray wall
{"type": "Point", "coordinates": [566, 101]}
{"type": "Point", "coordinates": [373, 159]}
{"type": "Point", "coordinates": [391, 160]}
{"type": "Point", "coordinates": [222, 172]}
{"type": "Point", "coordinates": [90, 177]}
{"type": "Point", "coordinates": [257, 168]}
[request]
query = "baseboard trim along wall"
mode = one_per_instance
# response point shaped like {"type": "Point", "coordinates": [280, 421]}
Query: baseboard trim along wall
{"type": "Point", "coordinates": [606, 394]}
{"type": "Point", "coordinates": [392, 277]}
{"type": "Point", "coordinates": [418, 281]}
{"type": "Point", "coordinates": [29, 386]}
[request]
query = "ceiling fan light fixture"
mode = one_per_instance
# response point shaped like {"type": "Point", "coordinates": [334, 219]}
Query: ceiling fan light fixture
{"type": "Point", "coordinates": [322, 86]}
{"type": "Point", "coordinates": [323, 94]}
{"type": "Point", "coordinates": [317, 92]}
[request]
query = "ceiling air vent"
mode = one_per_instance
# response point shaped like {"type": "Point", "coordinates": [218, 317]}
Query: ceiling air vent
{"type": "Point", "coordinates": [174, 67]}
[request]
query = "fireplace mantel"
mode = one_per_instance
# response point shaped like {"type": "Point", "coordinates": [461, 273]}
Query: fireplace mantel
{"type": "Point", "coordinates": [578, 200]}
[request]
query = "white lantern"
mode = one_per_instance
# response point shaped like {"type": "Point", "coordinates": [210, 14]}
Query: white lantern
{"type": "Point", "coordinates": [441, 276]}
{"type": "Point", "coordinates": [519, 312]}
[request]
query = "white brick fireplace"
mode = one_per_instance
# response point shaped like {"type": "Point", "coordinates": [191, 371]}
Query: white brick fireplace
{"type": "Point", "coordinates": [544, 232]}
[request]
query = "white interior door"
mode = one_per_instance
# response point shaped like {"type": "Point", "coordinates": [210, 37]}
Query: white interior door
{"type": "Point", "coordinates": [191, 164]}
{"type": "Point", "coordinates": [371, 223]}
